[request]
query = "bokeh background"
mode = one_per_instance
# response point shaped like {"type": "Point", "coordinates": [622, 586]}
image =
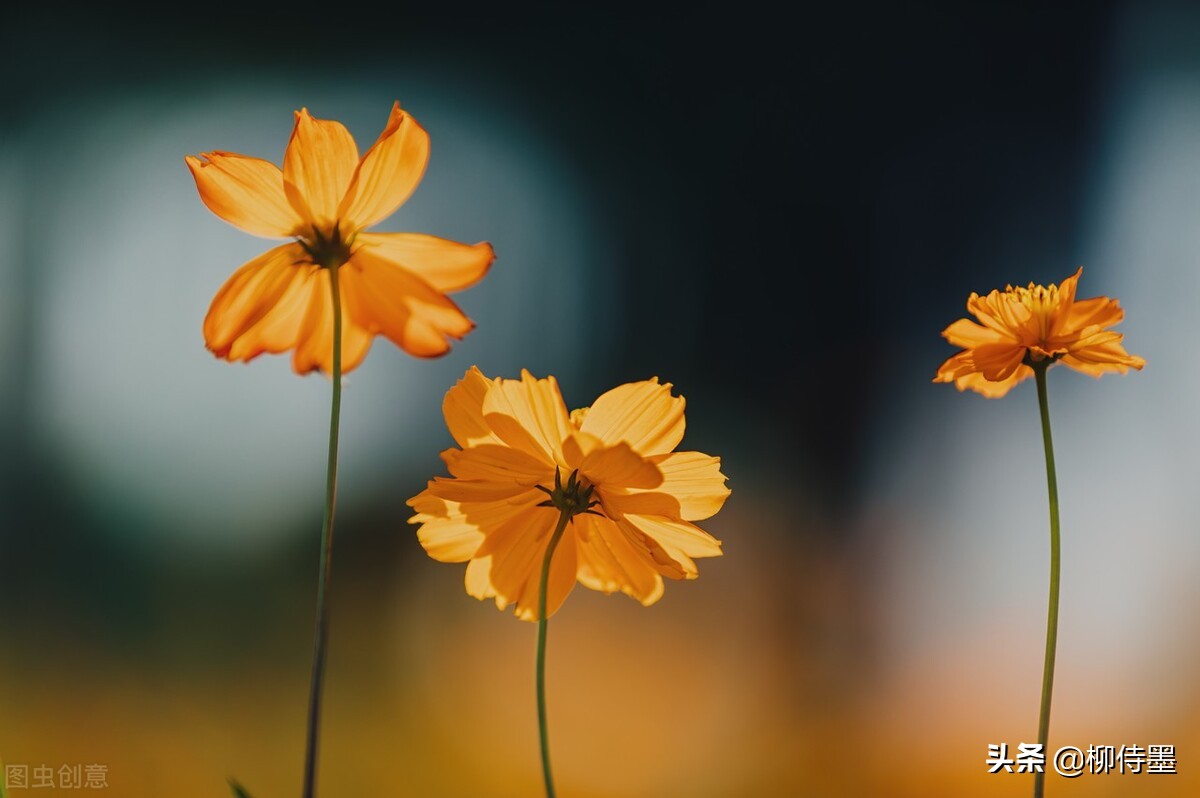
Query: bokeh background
{"type": "Point", "coordinates": [778, 214]}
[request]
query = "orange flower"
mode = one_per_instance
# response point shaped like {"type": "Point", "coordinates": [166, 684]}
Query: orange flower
{"type": "Point", "coordinates": [518, 441]}
{"type": "Point", "coordinates": [324, 198]}
{"type": "Point", "coordinates": [1025, 326]}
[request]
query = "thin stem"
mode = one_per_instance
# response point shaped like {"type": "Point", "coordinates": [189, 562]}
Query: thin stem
{"type": "Point", "coordinates": [322, 621]}
{"type": "Point", "coordinates": [563, 517]}
{"type": "Point", "coordinates": [1039, 778]}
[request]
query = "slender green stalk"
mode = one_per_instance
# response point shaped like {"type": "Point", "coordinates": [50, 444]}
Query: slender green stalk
{"type": "Point", "coordinates": [564, 516]}
{"type": "Point", "coordinates": [322, 621]}
{"type": "Point", "coordinates": [1039, 778]}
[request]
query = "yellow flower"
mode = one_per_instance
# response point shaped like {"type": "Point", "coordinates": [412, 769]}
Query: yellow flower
{"type": "Point", "coordinates": [325, 197]}
{"type": "Point", "coordinates": [1025, 326]}
{"type": "Point", "coordinates": [517, 440]}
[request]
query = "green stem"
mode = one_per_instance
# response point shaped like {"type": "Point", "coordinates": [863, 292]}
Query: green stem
{"type": "Point", "coordinates": [1039, 779]}
{"type": "Point", "coordinates": [322, 621]}
{"type": "Point", "coordinates": [564, 516]}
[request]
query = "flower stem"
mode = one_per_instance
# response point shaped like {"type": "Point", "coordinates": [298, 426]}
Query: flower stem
{"type": "Point", "coordinates": [564, 516]}
{"type": "Point", "coordinates": [322, 621]}
{"type": "Point", "coordinates": [1039, 778]}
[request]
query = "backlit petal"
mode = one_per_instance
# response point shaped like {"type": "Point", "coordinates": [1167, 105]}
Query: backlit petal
{"type": "Point", "coordinates": [617, 503]}
{"type": "Point", "coordinates": [246, 192]}
{"type": "Point", "coordinates": [446, 265]}
{"type": "Point", "coordinates": [677, 537]}
{"type": "Point", "coordinates": [471, 492]}
{"type": "Point", "coordinates": [1106, 356]}
{"type": "Point", "coordinates": [965, 333]}
{"type": "Point", "coordinates": [996, 362]}
{"type": "Point", "coordinates": [564, 573]}
{"type": "Point", "coordinates": [1095, 337]}
{"type": "Point", "coordinates": [478, 578]}
{"type": "Point", "coordinates": [517, 549]}
{"type": "Point", "coordinates": [955, 366]}
{"type": "Point", "coordinates": [388, 173]}
{"type": "Point", "coordinates": [1000, 315]}
{"type": "Point", "coordinates": [1056, 312]}
{"type": "Point", "coordinates": [669, 564]}
{"type": "Point", "coordinates": [608, 562]}
{"type": "Point", "coordinates": [1100, 311]}
{"type": "Point", "coordinates": [320, 160]}
{"type": "Point", "coordinates": [694, 480]}
{"type": "Point", "coordinates": [389, 300]}
{"type": "Point", "coordinates": [992, 390]}
{"type": "Point", "coordinates": [643, 414]}
{"type": "Point", "coordinates": [529, 414]}
{"type": "Point", "coordinates": [451, 531]}
{"type": "Point", "coordinates": [463, 409]}
{"type": "Point", "coordinates": [447, 536]}
{"type": "Point", "coordinates": [314, 344]}
{"type": "Point", "coordinates": [499, 464]}
{"type": "Point", "coordinates": [1068, 288]}
{"type": "Point", "coordinates": [259, 308]}
{"type": "Point", "coordinates": [619, 466]}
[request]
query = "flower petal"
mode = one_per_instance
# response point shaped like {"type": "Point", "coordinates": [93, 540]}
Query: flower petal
{"type": "Point", "coordinates": [388, 173]}
{"type": "Point", "coordinates": [517, 549]}
{"type": "Point", "coordinates": [695, 481]}
{"type": "Point", "coordinates": [992, 390]}
{"type": "Point", "coordinates": [260, 307]}
{"type": "Point", "coordinates": [463, 409]}
{"type": "Point", "coordinates": [314, 343]}
{"type": "Point", "coordinates": [446, 265]}
{"type": "Point", "coordinates": [1010, 319]}
{"type": "Point", "coordinates": [320, 160]}
{"type": "Point", "coordinates": [608, 562]}
{"type": "Point", "coordinates": [1098, 311]}
{"type": "Point", "coordinates": [246, 192]}
{"type": "Point", "coordinates": [996, 362]}
{"type": "Point", "coordinates": [1059, 321]}
{"type": "Point", "coordinates": [673, 565]}
{"type": "Point", "coordinates": [966, 334]}
{"type": "Point", "coordinates": [643, 414]}
{"type": "Point", "coordinates": [478, 578]}
{"type": "Point", "coordinates": [469, 492]}
{"type": "Point", "coordinates": [499, 464]}
{"type": "Point", "coordinates": [677, 537]}
{"type": "Point", "coordinates": [445, 533]}
{"type": "Point", "coordinates": [957, 365]}
{"type": "Point", "coordinates": [451, 531]}
{"type": "Point", "coordinates": [613, 466]}
{"type": "Point", "coordinates": [529, 414]}
{"type": "Point", "coordinates": [384, 298]}
{"type": "Point", "coordinates": [564, 573]}
{"type": "Point", "coordinates": [617, 503]}
{"type": "Point", "coordinates": [1100, 358]}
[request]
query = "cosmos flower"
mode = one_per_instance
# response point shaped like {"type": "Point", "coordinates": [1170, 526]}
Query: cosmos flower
{"type": "Point", "coordinates": [324, 198]}
{"type": "Point", "coordinates": [518, 444]}
{"type": "Point", "coordinates": [1021, 327]}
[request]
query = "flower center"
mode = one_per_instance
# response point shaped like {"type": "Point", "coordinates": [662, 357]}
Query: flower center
{"type": "Point", "coordinates": [1041, 300]}
{"type": "Point", "coordinates": [327, 249]}
{"type": "Point", "coordinates": [571, 499]}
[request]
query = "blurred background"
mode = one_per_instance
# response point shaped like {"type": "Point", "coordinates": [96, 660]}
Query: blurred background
{"type": "Point", "coordinates": [777, 215]}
